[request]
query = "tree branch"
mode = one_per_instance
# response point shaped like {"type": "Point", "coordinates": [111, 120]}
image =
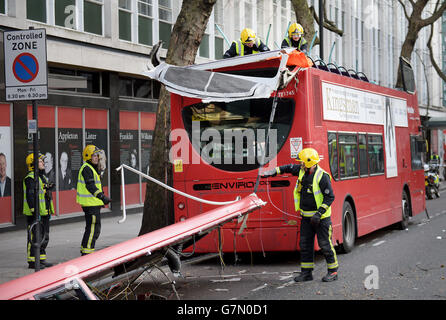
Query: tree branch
{"type": "Point", "coordinates": [404, 9]}
{"type": "Point", "coordinates": [435, 16]}
{"type": "Point", "coordinates": [328, 24]}
{"type": "Point", "coordinates": [431, 54]}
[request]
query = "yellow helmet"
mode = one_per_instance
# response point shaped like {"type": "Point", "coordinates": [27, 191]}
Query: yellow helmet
{"type": "Point", "coordinates": [309, 157]}
{"type": "Point", "coordinates": [89, 150]}
{"type": "Point", "coordinates": [295, 28]}
{"type": "Point", "coordinates": [247, 36]}
{"type": "Point", "coordinates": [30, 160]}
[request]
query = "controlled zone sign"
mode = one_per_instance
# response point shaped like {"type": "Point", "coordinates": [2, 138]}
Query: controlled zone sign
{"type": "Point", "coordinates": [26, 76]}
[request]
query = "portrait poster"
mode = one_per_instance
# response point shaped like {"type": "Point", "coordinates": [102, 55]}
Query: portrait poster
{"type": "Point", "coordinates": [6, 168]}
{"type": "Point", "coordinates": [129, 154]}
{"type": "Point", "coordinates": [69, 157]}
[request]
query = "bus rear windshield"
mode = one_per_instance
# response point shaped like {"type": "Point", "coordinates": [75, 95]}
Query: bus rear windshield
{"type": "Point", "coordinates": [232, 136]}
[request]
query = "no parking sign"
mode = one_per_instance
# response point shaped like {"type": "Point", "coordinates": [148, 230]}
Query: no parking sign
{"type": "Point", "coordinates": [25, 65]}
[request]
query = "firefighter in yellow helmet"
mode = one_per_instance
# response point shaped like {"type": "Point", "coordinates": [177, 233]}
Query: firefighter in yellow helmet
{"type": "Point", "coordinates": [295, 38]}
{"type": "Point", "coordinates": [46, 209]}
{"type": "Point", "coordinates": [313, 196]}
{"type": "Point", "coordinates": [247, 44]}
{"type": "Point", "coordinates": [91, 197]}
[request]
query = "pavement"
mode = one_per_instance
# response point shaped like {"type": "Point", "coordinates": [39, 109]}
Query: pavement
{"type": "Point", "coordinates": [64, 244]}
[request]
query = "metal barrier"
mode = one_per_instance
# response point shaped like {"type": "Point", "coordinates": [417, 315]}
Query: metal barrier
{"type": "Point", "coordinates": [124, 214]}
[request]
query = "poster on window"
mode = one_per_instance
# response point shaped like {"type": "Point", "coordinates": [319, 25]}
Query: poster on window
{"type": "Point", "coordinates": [6, 185]}
{"type": "Point", "coordinates": [147, 127]}
{"type": "Point", "coordinates": [96, 124]}
{"type": "Point", "coordinates": [69, 145]}
{"type": "Point", "coordinates": [129, 154]}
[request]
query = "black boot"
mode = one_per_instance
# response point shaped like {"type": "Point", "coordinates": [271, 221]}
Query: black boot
{"type": "Point", "coordinates": [331, 276]}
{"type": "Point", "coordinates": [304, 276]}
{"type": "Point", "coordinates": [32, 265]}
{"type": "Point", "coordinates": [45, 264]}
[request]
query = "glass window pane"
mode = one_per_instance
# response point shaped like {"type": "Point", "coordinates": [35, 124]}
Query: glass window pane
{"type": "Point", "coordinates": [125, 25]}
{"type": "Point", "coordinates": [165, 3]}
{"type": "Point", "coordinates": [125, 87]}
{"type": "Point", "coordinates": [65, 13]}
{"type": "Point", "coordinates": [144, 9]}
{"type": "Point", "coordinates": [144, 30]}
{"type": "Point", "coordinates": [348, 155]}
{"type": "Point", "coordinates": [204, 46]}
{"type": "Point", "coordinates": [376, 154]}
{"type": "Point", "coordinates": [363, 165]}
{"type": "Point", "coordinates": [333, 155]}
{"type": "Point", "coordinates": [92, 17]}
{"type": "Point", "coordinates": [2, 6]}
{"type": "Point", "coordinates": [125, 4]}
{"type": "Point", "coordinates": [219, 51]}
{"type": "Point", "coordinates": [165, 15]}
{"type": "Point", "coordinates": [93, 82]}
{"type": "Point", "coordinates": [36, 10]}
{"type": "Point", "coordinates": [142, 88]}
{"type": "Point", "coordinates": [237, 129]}
{"type": "Point", "coordinates": [165, 31]}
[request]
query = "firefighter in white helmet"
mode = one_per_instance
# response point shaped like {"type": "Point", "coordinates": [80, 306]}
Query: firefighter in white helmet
{"type": "Point", "coordinates": [313, 196]}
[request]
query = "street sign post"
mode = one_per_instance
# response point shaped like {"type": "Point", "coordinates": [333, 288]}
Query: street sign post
{"type": "Point", "coordinates": [26, 78]}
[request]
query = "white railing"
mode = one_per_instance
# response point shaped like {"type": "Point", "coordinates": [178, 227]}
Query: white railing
{"type": "Point", "coordinates": [124, 214]}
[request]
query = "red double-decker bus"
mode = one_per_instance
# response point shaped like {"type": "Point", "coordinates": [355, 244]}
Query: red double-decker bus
{"type": "Point", "coordinates": [368, 137]}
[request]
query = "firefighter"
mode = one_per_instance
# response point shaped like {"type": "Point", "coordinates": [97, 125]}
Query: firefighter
{"type": "Point", "coordinates": [247, 44]}
{"type": "Point", "coordinates": [46, 209]}
{"type": "Point", "coordinates": [90, 197]}
{"type": "Point", "coordinates": [313, 196]}
{"type": "Point", "coordinates": [295, 38]}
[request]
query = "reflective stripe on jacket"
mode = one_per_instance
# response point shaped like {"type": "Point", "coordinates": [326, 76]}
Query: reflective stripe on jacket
{"type": "Point", "coordinates": [240, 46]}
{"type": "Point", "coordinates": [83, 196]}
{"type": "Point", "coordinates": [42, 204]}
{"type": "Point", "coordinates": [318, 196]}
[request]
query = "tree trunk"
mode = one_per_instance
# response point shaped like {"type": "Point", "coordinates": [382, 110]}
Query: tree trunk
{"type": "Point", "coordinates": [184, 42]}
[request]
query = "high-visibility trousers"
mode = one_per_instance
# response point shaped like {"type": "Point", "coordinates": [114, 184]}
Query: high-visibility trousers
{"type": "Point", "coordinates": [92, 228]}
{"type": "Point", "coordinates": [324, 234]}
{"type": "Point", "coordinates": [44, 229]}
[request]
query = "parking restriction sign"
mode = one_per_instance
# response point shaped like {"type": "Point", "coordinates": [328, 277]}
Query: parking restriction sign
{"type": "Point", "coordinates": [26, 76]}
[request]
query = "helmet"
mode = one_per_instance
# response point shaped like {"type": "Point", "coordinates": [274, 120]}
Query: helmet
{"type": "Point", "coordinates": [309, 157]}
{"type": "Point", "coordinates": [30, 160]}
{"type": "Point", "coordinates": [89, 150]}
{"type": "Point", "coordinates": [295, 28]}
{"type": "Point", "coordinates": [247, 36]}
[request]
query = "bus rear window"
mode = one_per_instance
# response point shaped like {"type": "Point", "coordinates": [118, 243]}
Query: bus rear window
{"type": "Point", "coordinates": [231, 136]}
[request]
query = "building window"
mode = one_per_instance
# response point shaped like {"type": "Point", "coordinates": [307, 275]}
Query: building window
{"type": "Point", "coordinates": [204, 46]}
{"type": "Point", "coordinates": [165, 21]}
{"type": "Point", "coordinates": [145, 27]}
{"type": "Point", "coordinates": [65, 13]}
{"type": "Point", "coordinates": [93, 79]}
{"type": "Point", "coordinates": [136, 88]}
{"type": "Point", "coordinates": [36, 10]}
{"type": "Point", "coordinates": [125, 20]}
{"type": "Point", "coordinates": [218, 37]}
{"type": "Point", "coordinates": [2, 7]}
{"type": "Point", "coordinates": [93, 16]}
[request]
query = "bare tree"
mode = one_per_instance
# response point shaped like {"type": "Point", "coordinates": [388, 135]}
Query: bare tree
{"type": "Point", "coordinates": [416, 23]}
{"type": "Point", "coordinates": [306, 15]}
{"type": "Point", "coordinates": [184, 42]}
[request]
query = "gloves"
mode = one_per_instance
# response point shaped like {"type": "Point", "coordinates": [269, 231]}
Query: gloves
{"type": "Point", "coordinates": [316, 219]}
{"type": "Point", "coordinates": [271, 173]}
{"type": "Point", "coordinates": [104, 198]}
